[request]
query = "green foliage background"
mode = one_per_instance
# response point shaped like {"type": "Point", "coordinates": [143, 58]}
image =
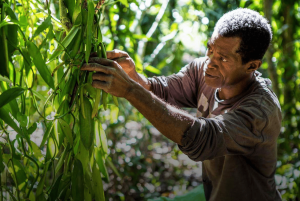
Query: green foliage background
{"type": "Point", "coordinates": [161, 36]}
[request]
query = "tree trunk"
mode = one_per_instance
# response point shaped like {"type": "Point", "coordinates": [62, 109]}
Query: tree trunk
{"type": "Point", "coordinates": [269, 54]}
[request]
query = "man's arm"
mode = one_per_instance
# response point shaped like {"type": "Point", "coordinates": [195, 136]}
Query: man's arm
{"type": "Point", "coordinates": [110, 77]}
{"type": "Point", "coordinates": [179, 89]}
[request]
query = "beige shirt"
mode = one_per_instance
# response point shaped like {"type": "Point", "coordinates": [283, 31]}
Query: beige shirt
{"type": "Point", "coordinates": [236, 138]}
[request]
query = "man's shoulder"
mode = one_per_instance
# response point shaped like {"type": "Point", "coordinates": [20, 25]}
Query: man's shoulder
{"type": "Point", "coordinates": [261, 96]}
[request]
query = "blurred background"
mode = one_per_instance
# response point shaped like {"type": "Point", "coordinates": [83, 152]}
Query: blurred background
{"type": "Point", "coordinates": [162, 36]}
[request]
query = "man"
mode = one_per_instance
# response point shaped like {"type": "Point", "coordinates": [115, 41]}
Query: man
{"type": "Point", "coordinates": [239, 117]}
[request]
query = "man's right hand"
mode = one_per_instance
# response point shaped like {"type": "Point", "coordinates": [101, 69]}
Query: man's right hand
{"type": "Point", "coordinates": [124, 60]}
{"type": "Point", "coordinates": [128, 65]}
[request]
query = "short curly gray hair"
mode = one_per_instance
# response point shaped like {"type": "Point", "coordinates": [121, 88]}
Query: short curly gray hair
{"type": "Point", "coordinates": [252, 28]}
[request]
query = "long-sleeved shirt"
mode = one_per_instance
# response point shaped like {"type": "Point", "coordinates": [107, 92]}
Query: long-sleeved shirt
{"type": "Point", "coordinates": [235, 138]}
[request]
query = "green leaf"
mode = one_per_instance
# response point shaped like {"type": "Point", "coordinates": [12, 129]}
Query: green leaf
{"type": "Point", "coordinates": [5, 79]}
{"type": "Point", "coordinates": [83, 156]}
{"type": "Point", "coordinates": [113, 167]}
{"type": "Point", "coordinates": [70, 4]}
{"type": "Point", "coordinates": [32, 128]}
{"type": "Point", "coordinates": [22, 119]}
{"type": "Point", "coordinates": [54, 191]}
{"type": "Point", "coordinates": [47, 133]}
{"type": "Point", "coordinates": [103, 139]}
{"type": "Point", "coordinates": [96, 103]}
{"type": "Point", "coordinates": [38, 95]}
{"type": "Point", "coordinates": [77, 179]}
{"type": "Point", "coordinates": [66, 41]}
{"type": "Point", "coordinates": [67, 130]}
{"type": "Point", "coordinates": [40, 187]}
{"type": "Point", "coordinates": [7, 21]}
{"type": "Point", "coordinates": [20, 174]}
{"type": "Point", "coordinates": [4, 115]}
{"type": "Point", "coordinates": [89, 29]}
{"type": "Point", "coordinates": [91, 90]}
{"type": "Point", "coordinates": [10, 95]}
{"type": "Point", "coordinates": [45, 24]}
{"type": "Point", "coordinates": [40, 63]}
{"type": "Point", "coordinates": [153, 70]}
{"type": "Point", "coordinates": [124, 2]}
{"type": "Point", "coordinates": [97, 183]}
{"type": "Point", "coordinates": [60, 161]}
{"type": "Point", "coordinates": [101, 163]}
{"type": "Point", "coordinates": [86, 124]}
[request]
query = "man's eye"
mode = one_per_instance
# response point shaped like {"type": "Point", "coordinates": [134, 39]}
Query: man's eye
{"type": "Point", "coordinates": [223, 59]}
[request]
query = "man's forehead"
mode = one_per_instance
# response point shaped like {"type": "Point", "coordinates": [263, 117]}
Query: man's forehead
{"type": "Point", "coordinates": [214, 36]}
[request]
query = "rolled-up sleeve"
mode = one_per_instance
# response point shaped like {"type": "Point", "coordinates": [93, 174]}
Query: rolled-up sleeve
{"type": "Point", "coordinates": [236, 132]}
{"type": "Point", "coordinates": [179, 89]}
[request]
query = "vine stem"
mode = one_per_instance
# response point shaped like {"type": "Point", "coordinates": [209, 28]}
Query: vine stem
{"type": "Point", "coordinates": [6, 60]}
{"type": "Point", "coordinates": [12, 162]}
{"type": "Point", "coordinates": [38, 167]}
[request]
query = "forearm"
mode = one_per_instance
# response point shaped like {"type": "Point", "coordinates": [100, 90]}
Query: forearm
{"type": "Point", "coordinates": [141, 79]}
{"type": "Point", "coordinates": [169, 120]}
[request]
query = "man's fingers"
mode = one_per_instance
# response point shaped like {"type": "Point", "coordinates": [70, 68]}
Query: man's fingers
{"type": "Point", "coordinates": [100, 85]}
{"type": "Point", "coordinates": [114, 54]}
{"type": "Point", "coordinates": [102, 77]}
{"type": "Point", "coordinates": [98, 68]}
{"type": "Point", "coordinates": [105, 62]}
{"type": "Point", "coordinates": [93, 54]}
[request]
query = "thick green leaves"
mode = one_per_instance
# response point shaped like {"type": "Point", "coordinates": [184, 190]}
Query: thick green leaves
{"type": "Point", "coordinates": [40, 186]}
{"type": "Point", "coordinates": [86, 124]}
{"type": "Point", "coordinates": [101, 163]}
{"type": "Point", "coordinates": [20, 174]}
{"type": "Point", "coordinates": [104, 99]}
{"type": "Point", "coordinates": [83, 156]}
{"type": "Point", "coordinates": [70, 4]}
{"type": "Point", "coordinates": [45, 24]}
{"type": "Point", "coordinates": [96, 103]}
{"type": "Point", "coordinates": [4, 115]}
{"type": "Point", "coordinates": [103, 139]}
{"type": "Point", "coordinates": [47, 133]}
{"type": "Point", "coordinates": [5, 79]}
{"type": "Point", "coordinates": [77, 180]}
{"type": "Point", "coordinates": [67, 130]}
{"type": "Point", "coordinates": [60, 161]}
{"type": "Point", "coordinates": [54, 191]}
{"type": "Point", "coordinates": [40, 63]}
{"type": "Point", "coordinates": [6, 22]}
{"type": "Point", "coordinates": [97, 183]}
{"type": "Point", "coordinates": [66, 41]}
{"type": "Point", "coordinates": [76, 45]}
{"type": "Point", "coordinates": [89, 30]}
{"type": "Point", "coordinates": [10, 95]}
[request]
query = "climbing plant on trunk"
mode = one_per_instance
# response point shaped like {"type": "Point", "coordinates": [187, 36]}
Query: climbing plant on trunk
{"type": "Point", "coordinates": [73, 148]}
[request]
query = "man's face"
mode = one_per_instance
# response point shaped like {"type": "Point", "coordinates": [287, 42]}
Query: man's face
{"type": "Point", "coordinates": [224, 65]}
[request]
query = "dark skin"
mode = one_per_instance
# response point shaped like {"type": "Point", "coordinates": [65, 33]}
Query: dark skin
{"type": "Point", "coordinates": [117, 76]}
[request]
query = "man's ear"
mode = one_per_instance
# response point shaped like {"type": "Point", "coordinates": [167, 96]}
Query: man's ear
{"type": "Point", "coordinates": [253, 66]}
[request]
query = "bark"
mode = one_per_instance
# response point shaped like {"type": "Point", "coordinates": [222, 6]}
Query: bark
{"type": "Point", "coordinates": [288, 53]}
{"type": "Point", "coordinates": [269, 54]}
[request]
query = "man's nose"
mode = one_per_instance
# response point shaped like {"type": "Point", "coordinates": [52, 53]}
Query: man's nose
{"type": "Point", "coordinates": [210, 61]}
